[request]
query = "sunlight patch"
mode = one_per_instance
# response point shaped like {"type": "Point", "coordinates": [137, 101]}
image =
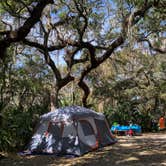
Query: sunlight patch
{"type": "Point", "coordinates": [128, 159]}
{"type": "Point", "coordinates": [127, 144]}
{"type": "Point", "coordinates": [146, 153]}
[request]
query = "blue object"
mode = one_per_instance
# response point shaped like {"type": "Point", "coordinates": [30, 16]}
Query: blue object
{"type": "Point", "coordinates": [135, 128]}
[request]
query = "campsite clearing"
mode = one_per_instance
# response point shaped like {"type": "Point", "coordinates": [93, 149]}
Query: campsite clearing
{"type": "Point", "coordinates": [148, 149]}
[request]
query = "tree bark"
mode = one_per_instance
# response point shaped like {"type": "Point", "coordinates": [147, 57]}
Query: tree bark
{"type": "Point", "coordinates": [54, 101]}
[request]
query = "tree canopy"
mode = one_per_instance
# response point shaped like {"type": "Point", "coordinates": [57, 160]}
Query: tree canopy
{"type": "Point", "coordinates": [83, 32]}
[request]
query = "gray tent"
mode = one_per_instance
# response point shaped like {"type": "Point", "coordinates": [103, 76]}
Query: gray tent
{"type": "Point", "coordinates": [71, 130]}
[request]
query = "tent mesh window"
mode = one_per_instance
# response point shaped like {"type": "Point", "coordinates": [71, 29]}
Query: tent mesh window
{"type": "Point", "coordinates": [87, 128]}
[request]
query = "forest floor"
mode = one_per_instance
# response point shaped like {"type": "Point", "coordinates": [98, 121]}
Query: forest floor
{"type": "Point", "coordinates": [148, 149]}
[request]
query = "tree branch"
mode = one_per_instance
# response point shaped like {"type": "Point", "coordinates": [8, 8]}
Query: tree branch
{"type": "Point", "coordinates": [23, 31]}
{"type": "Point", "coordinates": [86, 91]}
{"type": "Point", "coordinates": [42, 47]}
{"type": "Point", "coordinates": [82, 13]}
{"type": "Point", "coordinates": [161, 51]}
{"type": "Point", "coordinates": [128, 22]}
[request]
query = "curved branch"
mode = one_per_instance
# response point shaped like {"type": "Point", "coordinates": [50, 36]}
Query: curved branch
{"type": "Point", "coordinates": [86, 91]}
{"type": "Point", "coordinates": [80, 10]}
{"type": "Point", "coordinates": [23, 31]}
{"type": "Point", "coordinates": [70, 60]}
{"type": "Point", "coordinates": [161, 51]}
{"type": "Point", "coordinates": [92, 52]}
{"type": "Point", "coordinates": [42, 47]}
{"type": "Point", "coordinates": [7, 24]}
{"type": "Point", "coordinates": [26, 6]}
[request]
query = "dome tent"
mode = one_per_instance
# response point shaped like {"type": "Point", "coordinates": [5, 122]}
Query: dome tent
{"type": "Point", "coordinates": [70, 130]}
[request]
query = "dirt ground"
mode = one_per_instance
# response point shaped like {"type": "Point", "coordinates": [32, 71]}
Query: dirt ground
{"type": "Point", "coordinates": [146, 150]}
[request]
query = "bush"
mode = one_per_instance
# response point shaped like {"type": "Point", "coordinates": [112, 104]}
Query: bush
{"type": "Point", "coordinates": [17, 127]}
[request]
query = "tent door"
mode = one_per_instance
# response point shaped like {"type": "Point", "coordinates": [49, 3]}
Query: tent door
{"type": "Point", "coordinates": [86, 134]}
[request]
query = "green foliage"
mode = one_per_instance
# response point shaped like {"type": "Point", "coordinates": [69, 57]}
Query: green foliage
{"type": "Point", "coordinates": [24, 96]}
{"type": "Point", "coordinates": [62, 15]}
{"type": "Point", "coordinates": [124, 114]}
{"type": "Point", "coordinates": [17, 126]}
{"type": "Point", "coordinates": [133, 89]}
{"type": "Point", "coordinates": [121, 114]}
{"type": "Point", "coordinates": [14, 7]}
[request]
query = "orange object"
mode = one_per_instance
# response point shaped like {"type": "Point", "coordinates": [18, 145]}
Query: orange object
{"type": "Point", "coordinates": [96, 145]}
{"type": "Point", "coordinates": [162, 123]}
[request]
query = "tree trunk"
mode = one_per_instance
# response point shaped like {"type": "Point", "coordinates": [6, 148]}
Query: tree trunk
{"type": "Point", "coordinates": [54, 101]}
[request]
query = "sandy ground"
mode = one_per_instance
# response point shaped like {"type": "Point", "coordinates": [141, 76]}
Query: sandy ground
{"type": "Point", "coordinates": [146, 150]}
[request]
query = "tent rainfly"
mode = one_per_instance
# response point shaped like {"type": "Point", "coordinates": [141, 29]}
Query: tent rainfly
{"type": "Point", "coordinates": [70, 130]}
